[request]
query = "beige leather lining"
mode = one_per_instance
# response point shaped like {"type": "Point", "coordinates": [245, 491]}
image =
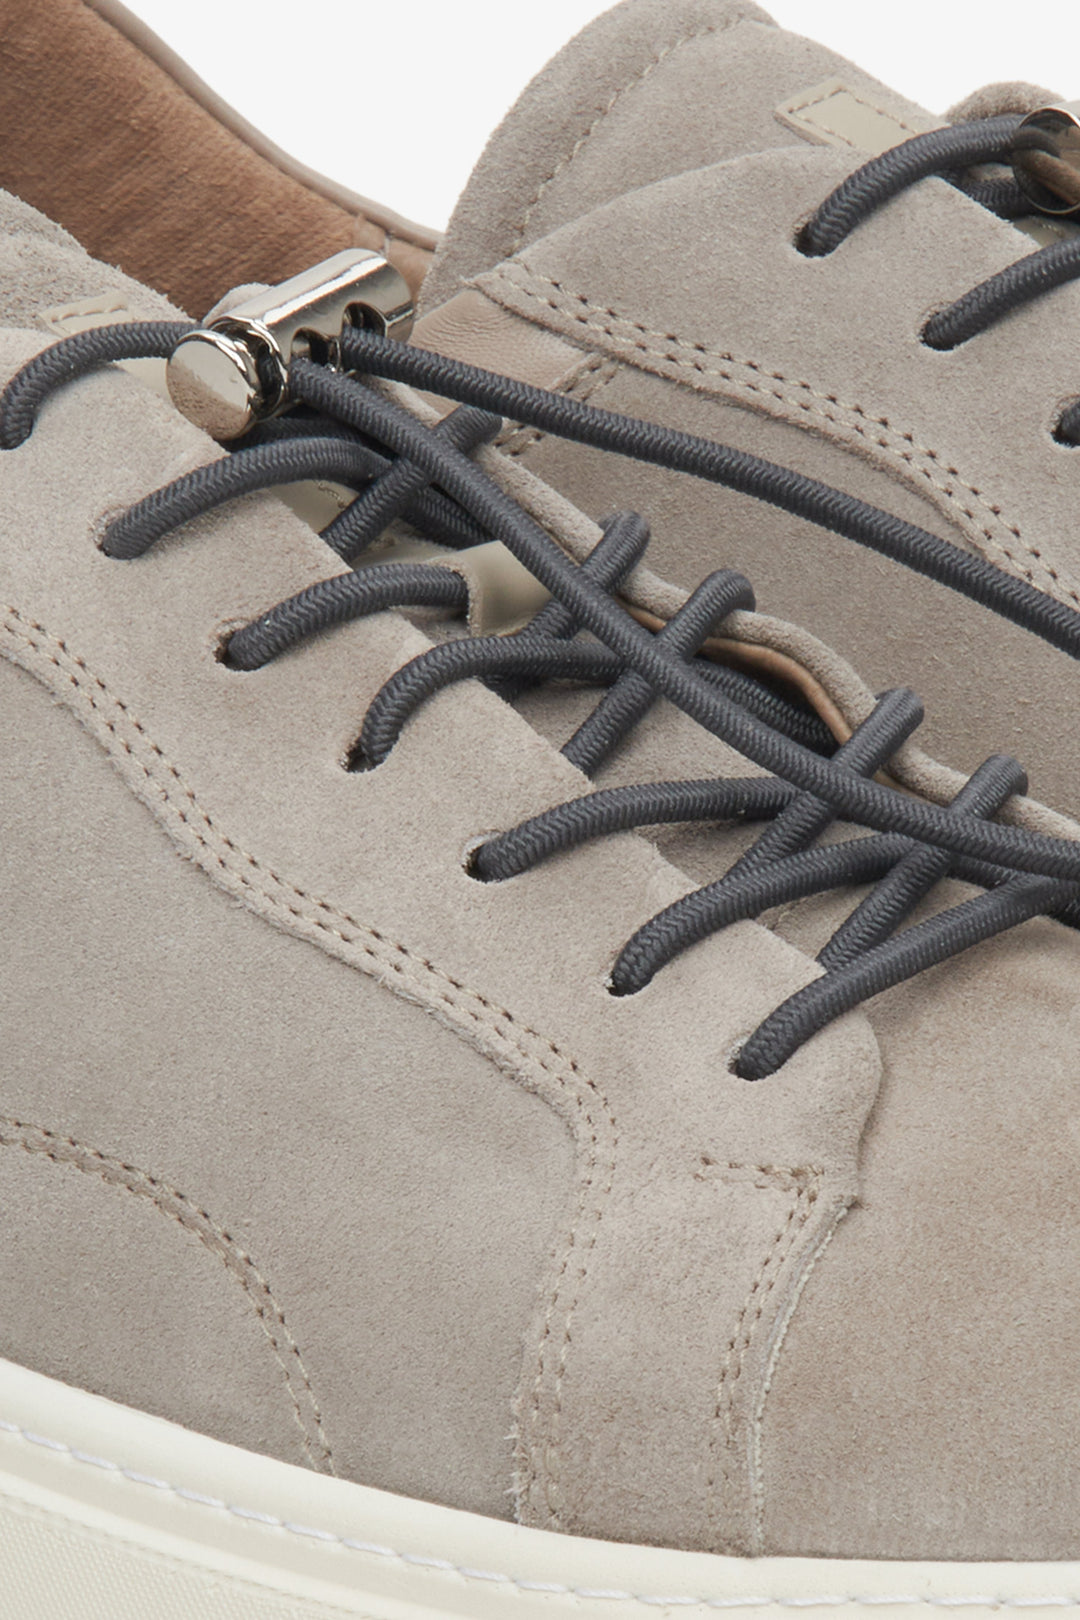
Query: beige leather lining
{"type": "Point", "coordinates": [767, 661]}
{"type": "Point", "coordinates": [837, 114]}
{"type": "Point", "coordinates": [103, 130]}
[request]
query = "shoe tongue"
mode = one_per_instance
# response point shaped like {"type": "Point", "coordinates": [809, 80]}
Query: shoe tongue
{"type": "Point", "coordinates": [651, 89]}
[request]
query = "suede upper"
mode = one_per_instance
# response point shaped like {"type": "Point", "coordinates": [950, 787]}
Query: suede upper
{"type": "Point", "coordinates": [369, 1234]}
{"type": "Point", "coordinates": [311, 1141]}
{"type": "Point", "coordinates": [662, 255]}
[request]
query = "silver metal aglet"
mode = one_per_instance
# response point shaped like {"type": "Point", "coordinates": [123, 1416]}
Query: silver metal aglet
{"type": "Point", "coordinates": [233, 371]}
{"type": "Point", "coordinates": [1046, 159]}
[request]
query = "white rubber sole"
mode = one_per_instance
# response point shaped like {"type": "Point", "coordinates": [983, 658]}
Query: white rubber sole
{"type": "Point", "coordinates": [108, 1514]}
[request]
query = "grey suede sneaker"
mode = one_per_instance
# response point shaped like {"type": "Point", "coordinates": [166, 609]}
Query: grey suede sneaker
{"type": "Point", "coordinates": [396, 1142]}
{"type": "Point", "coordinates": [667, 224]}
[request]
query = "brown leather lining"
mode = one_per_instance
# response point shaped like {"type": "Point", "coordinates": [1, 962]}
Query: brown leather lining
{"type": "Point", "coordinates": [100, 137]}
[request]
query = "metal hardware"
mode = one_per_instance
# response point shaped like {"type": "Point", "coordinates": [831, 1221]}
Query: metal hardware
{"type": "Point", "coordinates": [1046, 159]}
{"type": "Point", "coordinates": [233, 371]}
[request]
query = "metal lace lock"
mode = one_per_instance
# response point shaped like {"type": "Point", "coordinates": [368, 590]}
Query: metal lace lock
{"type": "Point", "coordinates": [1046, 159]}
{"type": "Point", "coordinates": [233, 371]}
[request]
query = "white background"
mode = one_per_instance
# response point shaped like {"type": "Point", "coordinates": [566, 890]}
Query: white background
{"type": "Point", "coordinates": [396, 97]}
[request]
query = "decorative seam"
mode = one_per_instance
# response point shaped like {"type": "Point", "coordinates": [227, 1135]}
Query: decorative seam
{"type": "Point", "coordinates": [519, 1049]}
{"type": "Point", "coordinates": [722, 1486]}
{"type": "Point", "coordinates": [795, 107]}
{"type": "Point", "coordinates": [779, 1336]}
{"type": "Point", "coordinates": [877, 431]}
{"type": "Point", "coordinates": [176, 1206]}
{"type": "Point", "coordinates": [581, 382]}
{"type": "Point", "coordinates": [541, 1463]}
{"type": "Point", "coordinates": [446, 1566]}
{"type": "Point", "coordinates": [638, 78]}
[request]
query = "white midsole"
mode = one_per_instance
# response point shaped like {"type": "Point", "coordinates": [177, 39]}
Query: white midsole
{"type": "Point", "coordinates": [109, 1514]}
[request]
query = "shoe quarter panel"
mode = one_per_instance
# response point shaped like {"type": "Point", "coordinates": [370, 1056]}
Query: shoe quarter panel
{"type": "Point", "coordinates": [243, 772]}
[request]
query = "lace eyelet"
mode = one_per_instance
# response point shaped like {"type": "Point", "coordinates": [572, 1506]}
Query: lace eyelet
{"type": "Point", "coordinates": [99, 530]}
{"type": "Point", "coordinates": [1057, 433]}
{"type": "Point", "coordinates": [220, 641]}
{"type": "Point", "coordinates": [469, 857]}
{"type": "Point", "coordinates": [926, 336]}
{"type": "Point", "coordinates": [800, 241]}
{"type": "Point", "coordinates": [732, 1056]}
{"type": "Point", "coordinates": [357, 763]}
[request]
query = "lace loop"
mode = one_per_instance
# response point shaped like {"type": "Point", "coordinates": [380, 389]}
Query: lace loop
{"type": "Point", "coordinates": [1012, 287]}
{"type": "Point", "coordinates": [947, 153]}
{"type": "Point", "coordinates": [63, 362]}
{"type": "Point", "coordinates": [400, 467]}
{"type": "Point", "coordinates": [884, 177]}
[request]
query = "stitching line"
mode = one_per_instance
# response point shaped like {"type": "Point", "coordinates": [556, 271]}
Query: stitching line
{"type": "Point", "coordinates": [863, 427]}
{"type": "Point", "coordinates": [795, 107]}
{"type": "Point", "coordinates": [176, 1206]}
{"type": "Point", "coordinates": [160, 1560]}
{"type": "Point", "coordinates": [804, 1272]}
{"type": "Point", "coordinates": [581, 382]}
{"type": "Point", "coordinates": [497, 1577]}
{"type": "Point", "coordinates": [877, 431]}
{"type": "Point", "coordinates": [583, 140]}
{"type": "Point", "coordinates": [542, 1468]}
{"type": "Point", "coordinates": [393, 964]}
{"type": "Point", "coordinates": [725, 1487]}
{"type": "Point", "coordinates": [388, 957]}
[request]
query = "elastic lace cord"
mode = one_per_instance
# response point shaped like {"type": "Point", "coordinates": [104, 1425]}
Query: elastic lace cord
{"type": "Point", "coordinates": [947, 154]}
{"type": "Point", "coordinates": [392, 495]}
{"type": "Point", "coordinates": [621, 547]}
{"type": "Point", "coordinates": [790, 491]}
{"type": "Point", "coordinates": [74, 357]}
{"type": "Point", "coordinates": [341, 599]}
{"type": "Point", "coordinates": [962, 146]}
{"type": "Point", "coordinates": [1002, 197]}
{"type": "Point", "coordinates": [858, 800]}
{"type": "Point", "coordinates": [696, 915]}
{"type": "Point", "coordinates": [611, 810]}
{"type": "Point", "coordinates": [996, 297]}
{"type": "Point", "coordinates": [632, 696]}
{"type": "Point", "coordinates": [739, 896]}
{"type": "Point", "coordinates": [800, 799]}
{"type": "Point", "coordinates": [913, 951]}
{"type": "Point", "coordinates": [896, 717]}
{"type": "Point", "coordinates": [245, 471]}
{"type": "Point", "coordinates": [624, 538]}
{"type": "Point", "coordinates": [898, 893]}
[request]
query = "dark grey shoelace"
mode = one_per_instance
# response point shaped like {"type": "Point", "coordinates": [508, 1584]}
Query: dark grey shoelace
{"type": "Point", "coordinates": [947, 153]}
{"type": "Point", "coordinates": [400, 468]}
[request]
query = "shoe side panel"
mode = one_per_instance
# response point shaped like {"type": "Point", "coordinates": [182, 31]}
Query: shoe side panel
{"type": "Point", "coordinates": [238, 1175]}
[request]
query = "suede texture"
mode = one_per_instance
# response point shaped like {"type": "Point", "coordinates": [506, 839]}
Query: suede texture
{"type": "Point", "coordinates": [399, 1053]}
{"type": "Point", "coordinates": [651, 88]}
{"type": "Point", "coordinates": [841, 388]}
{"type": "Point", "coordinates": [700, 1360]}
{"type": "Point", "coordinates": [674, 281]}
{"type": "Point", "coordinates": [922, 1403]}
{"type": "Point", "coordinates": [264, 1139]}
{"type": "Point", "coordinates": [925, 1400]}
